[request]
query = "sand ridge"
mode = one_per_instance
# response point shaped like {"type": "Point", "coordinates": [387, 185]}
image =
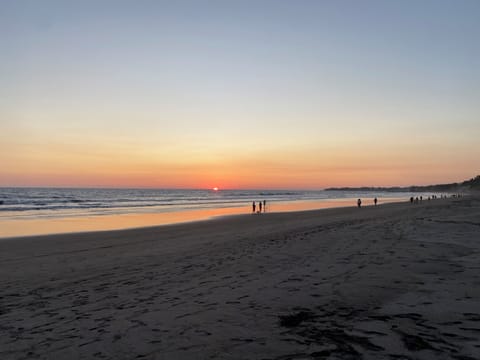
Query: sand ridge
{"type": "Point", "coordinates": [396, 281]}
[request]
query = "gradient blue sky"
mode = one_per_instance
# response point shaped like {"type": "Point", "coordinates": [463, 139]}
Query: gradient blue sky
{"type": "Point", "coordinates": [258, 94]}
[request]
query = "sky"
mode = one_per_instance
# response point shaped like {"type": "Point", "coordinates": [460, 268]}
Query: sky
{"type": "Point", "coordinates": [239, 94]}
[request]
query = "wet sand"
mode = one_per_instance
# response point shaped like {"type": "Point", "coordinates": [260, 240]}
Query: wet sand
{"type": "Point", "coordinates": [33, 223]}
{"type": "Point", "coordinates": [396, 281]}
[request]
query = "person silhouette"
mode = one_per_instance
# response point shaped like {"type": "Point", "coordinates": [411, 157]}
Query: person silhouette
{"type": "Point", "coordinates": [253, 207]}
{"type": "Point", "coordinates": [264, 205]}
{"type": "Point", "coordinates": [359, 202]}
{"type": "Point", "coordinates": [375, 201]}
{"type": "Point", "coordinates": [260, 207]}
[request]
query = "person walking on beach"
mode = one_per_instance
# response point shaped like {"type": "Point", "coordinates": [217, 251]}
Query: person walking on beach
{"type": "Point", "coordinates": [375, 201]}
{"type": "Point", "coordinates": [260, 207]}
{"type": "Point", "coordinates": [359, 203]}
{"type": "Point", "coordinates": [264, 205]}
{"type": "Point", "coordinates": [253, 207]}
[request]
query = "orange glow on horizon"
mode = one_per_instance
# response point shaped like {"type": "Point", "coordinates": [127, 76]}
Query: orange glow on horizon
{"type": "Point", "coordinates": [314, 167]}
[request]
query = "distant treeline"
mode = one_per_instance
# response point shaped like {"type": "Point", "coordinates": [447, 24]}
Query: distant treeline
{"type": "Point", "coordinates": [472, 184]}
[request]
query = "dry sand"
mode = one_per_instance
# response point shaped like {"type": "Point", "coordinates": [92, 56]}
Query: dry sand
{"type": "Point", "coordinates": [397, 281]}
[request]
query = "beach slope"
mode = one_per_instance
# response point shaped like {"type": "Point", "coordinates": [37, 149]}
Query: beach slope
{"type": "Point", "coordinates": [396, 281]}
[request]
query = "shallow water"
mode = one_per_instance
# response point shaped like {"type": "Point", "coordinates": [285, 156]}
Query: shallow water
{"type": "Point", "coordinates": [35, 211]}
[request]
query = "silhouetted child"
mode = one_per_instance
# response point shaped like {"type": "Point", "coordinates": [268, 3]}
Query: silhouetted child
{"type": "Point", "coordinates": [359, 203]}
{"type": "Point", "coordinates": [375, 201]}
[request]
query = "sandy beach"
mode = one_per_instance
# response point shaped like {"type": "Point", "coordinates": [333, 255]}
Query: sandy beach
{"type": "Point", "coordinates": [396, 281]}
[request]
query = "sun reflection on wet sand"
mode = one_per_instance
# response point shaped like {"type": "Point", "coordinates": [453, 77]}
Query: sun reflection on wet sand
{"type": "Point", "coordinates": [42, 226]}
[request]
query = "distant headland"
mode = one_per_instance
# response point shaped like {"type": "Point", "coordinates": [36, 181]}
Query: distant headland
{"type": "Point", "coordinates": [468, 185]}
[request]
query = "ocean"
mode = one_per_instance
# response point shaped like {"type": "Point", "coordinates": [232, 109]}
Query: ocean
{"type": "Point", "coordinates": [21, 209]}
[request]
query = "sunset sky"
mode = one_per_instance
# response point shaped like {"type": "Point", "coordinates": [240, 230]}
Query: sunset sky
{"type": "Point", "coordinates": [239, 94]}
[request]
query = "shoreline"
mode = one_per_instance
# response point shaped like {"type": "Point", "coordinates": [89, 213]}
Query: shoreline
{"type": "Point", "coordinates": [17, 228]}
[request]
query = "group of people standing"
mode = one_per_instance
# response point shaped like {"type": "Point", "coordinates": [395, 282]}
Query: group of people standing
{"type": "Point", "coordinates": [413, 200]}
{"type": "Point", "coordinates": [432, 197]}
{"type": "Point", "coordinates": [262, 207]}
